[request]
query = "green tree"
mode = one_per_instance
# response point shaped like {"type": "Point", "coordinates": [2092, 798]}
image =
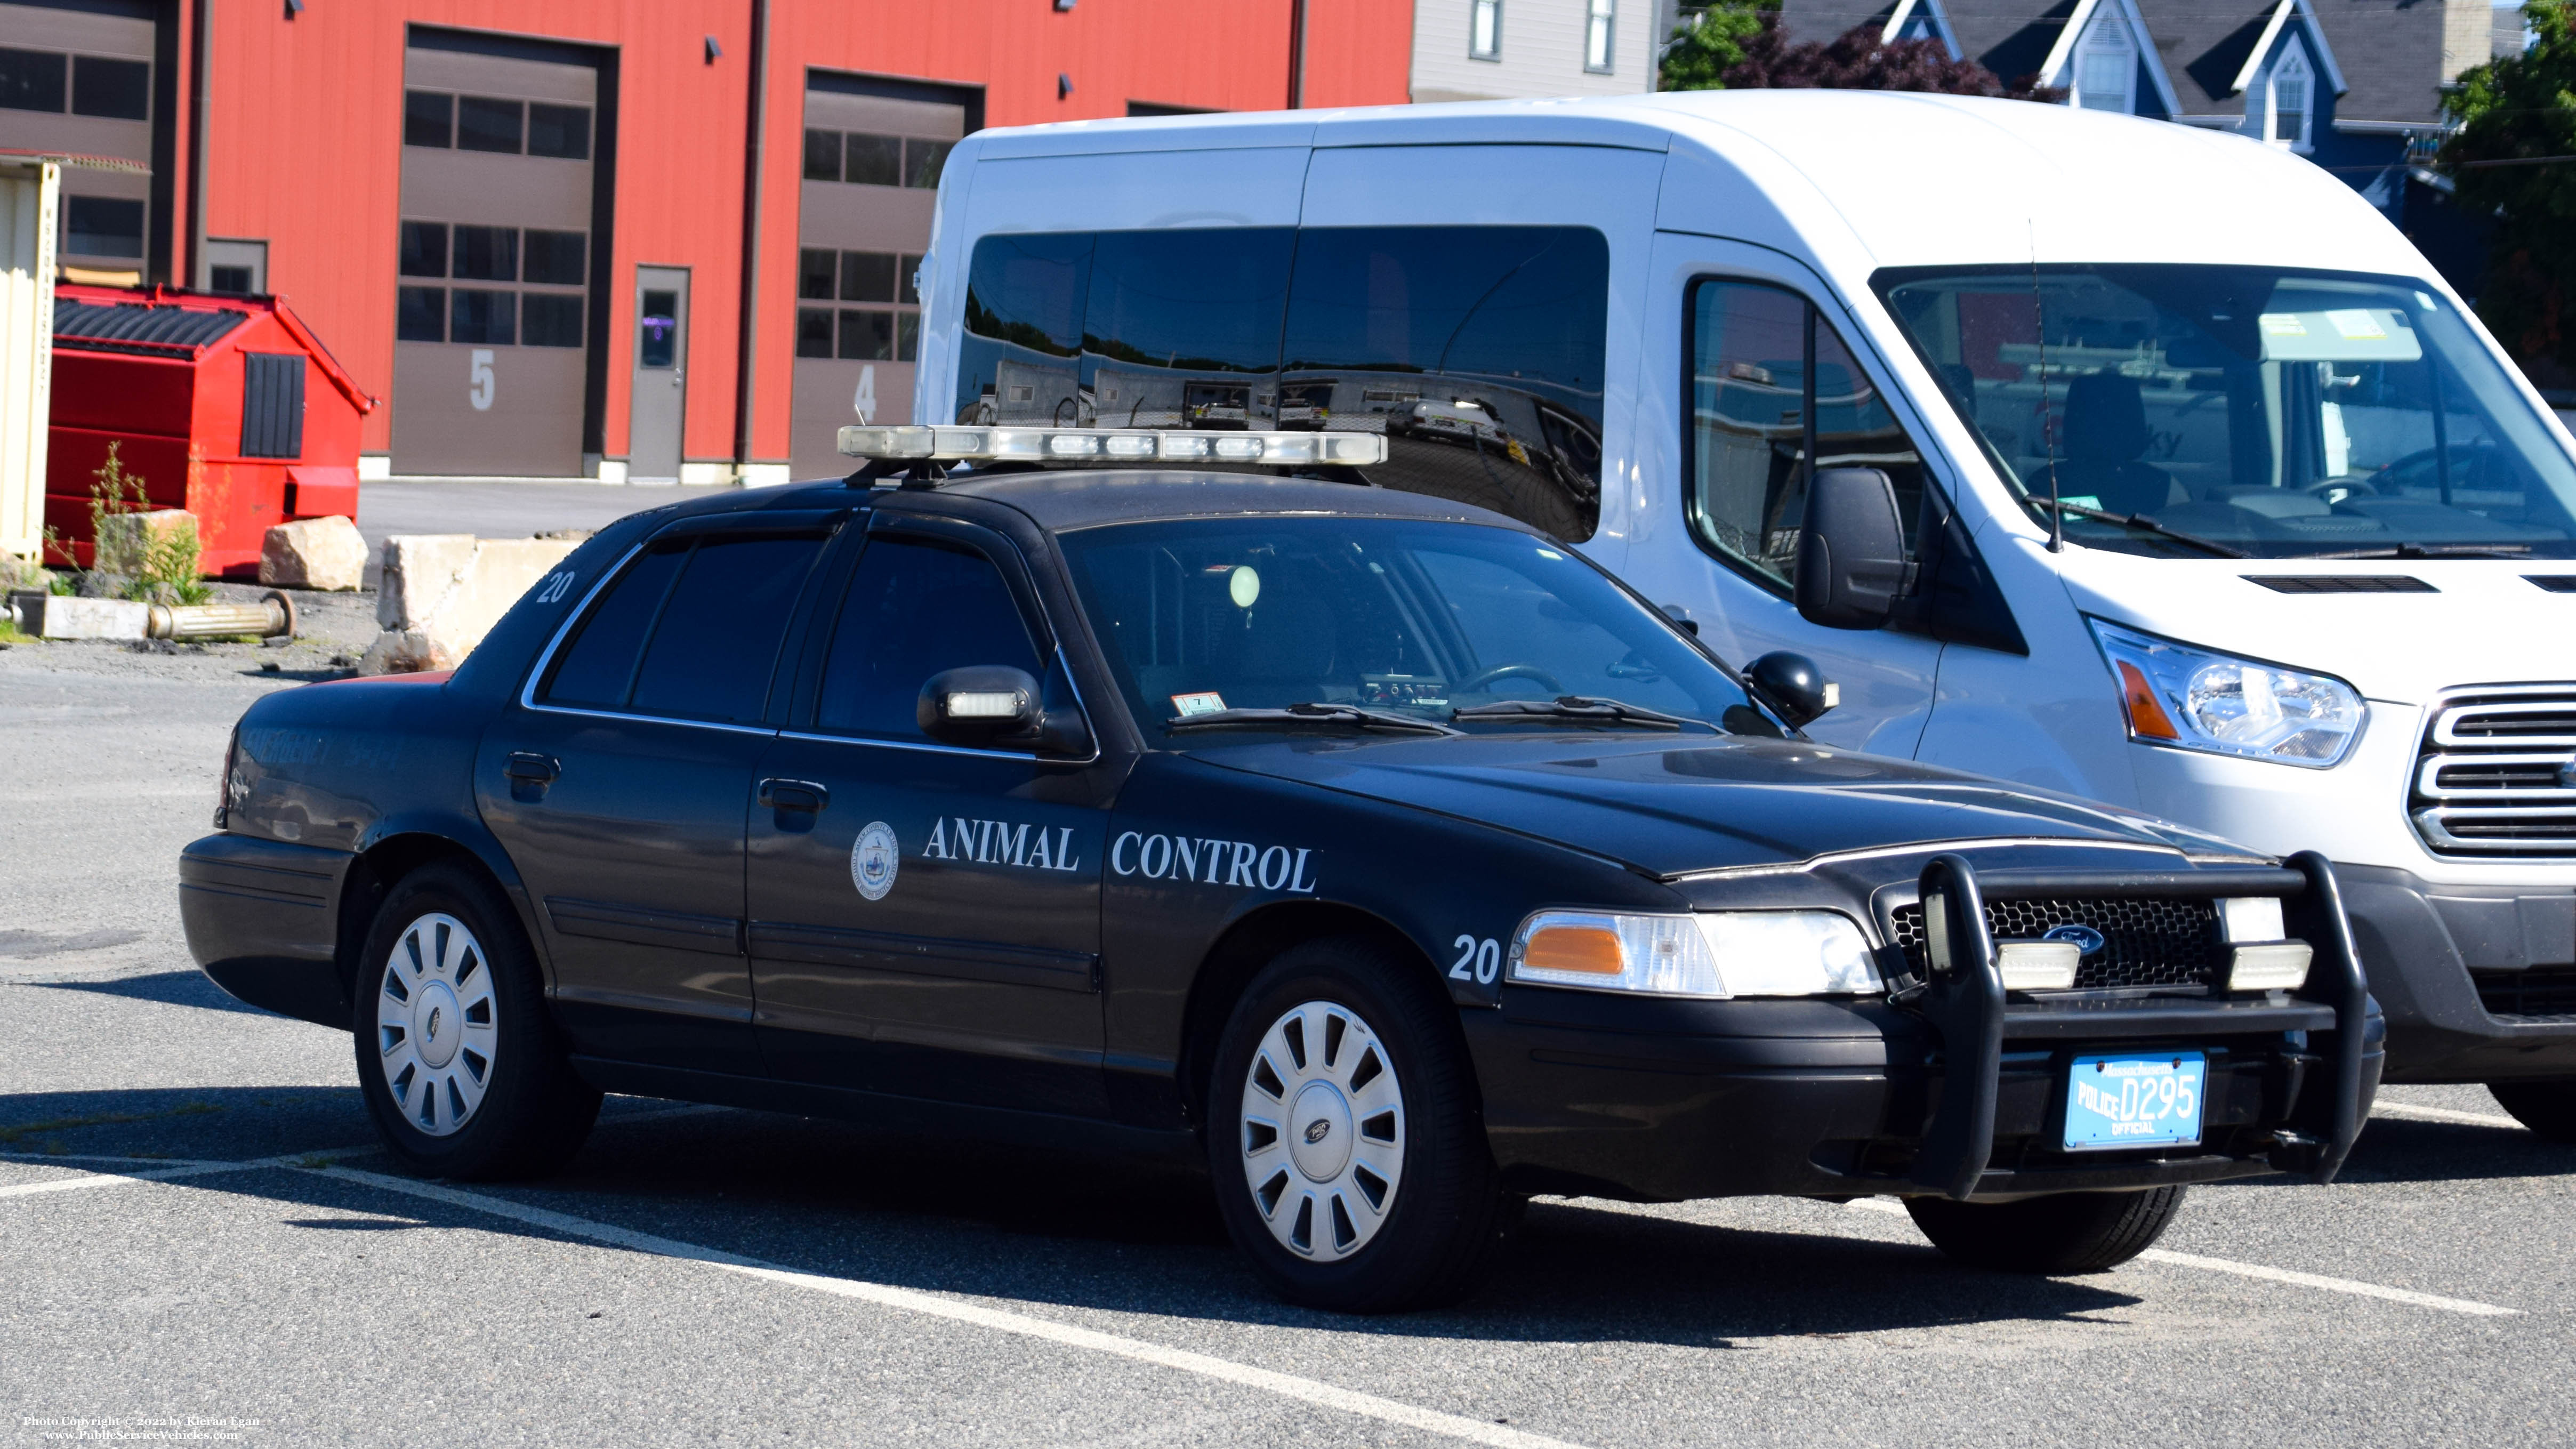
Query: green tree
{"type": "Point", "coordinates": [1708, 43]}
{"type": "Point", "coordinates": [2513, 157]}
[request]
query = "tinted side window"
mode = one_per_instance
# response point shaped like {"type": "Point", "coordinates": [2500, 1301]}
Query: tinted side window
{"type": "Point", "coordinates": [598, 666]}
{"type": "Point", "coordinates": [1771, 382]}
{"type": "Point", "coordinates": [1477, 350]}
{"type": "Point", "coordinates": [1181, 328]}
{"type": "Point", "coordinates": [914, 609]}
{"type": "Point", "coordinates": [1024, 303]}
{"type": "Point", "coordinates": [716, 647]}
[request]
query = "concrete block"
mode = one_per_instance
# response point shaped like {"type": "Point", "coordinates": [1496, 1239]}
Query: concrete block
{"type": "Point", "coordinates": [441, 593]}
{"type": "Point", "coordinates": [313, 553]}
{"type": "Point", "coordinates": [57, 617]}
{"type": "Point", "coordinates": [125, 540]}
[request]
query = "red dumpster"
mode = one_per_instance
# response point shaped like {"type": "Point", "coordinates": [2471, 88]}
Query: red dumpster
{"type": "Point", "coordinates": [226, 406]}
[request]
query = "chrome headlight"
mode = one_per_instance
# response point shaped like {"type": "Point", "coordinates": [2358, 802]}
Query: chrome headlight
{"type": "Point", "coordinates": [2193, 699]}
{"type": "Point", "coordinates": [1705, 953]}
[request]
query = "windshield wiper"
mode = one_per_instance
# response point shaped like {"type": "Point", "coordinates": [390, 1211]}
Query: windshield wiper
{"type": "Point", "coordinates": [1310, 714]}
{"type": "Point", "coordinates": [1580, 708]}
{"type": "Point", "coordinates": [2140, 522]}
{"type": "Point", "coordinates": [2430, 550]}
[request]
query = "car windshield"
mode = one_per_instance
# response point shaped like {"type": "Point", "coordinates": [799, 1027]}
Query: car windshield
{"type": "Point", "coordinates": [2278, 413]}
{"type": "Point", "coordinates": [1406, 618]}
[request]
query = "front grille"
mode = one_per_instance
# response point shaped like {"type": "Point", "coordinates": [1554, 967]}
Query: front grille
{"type": "Point", "coordinates": [2541, 991]}
{"type": "Point", "coordinates": [2497, 773]}
{"type": "Point", "coordinates": [2150, 941]}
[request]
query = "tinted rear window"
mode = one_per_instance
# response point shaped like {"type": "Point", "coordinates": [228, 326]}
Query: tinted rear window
{"type": "Point", "coordinates": [690, 631]}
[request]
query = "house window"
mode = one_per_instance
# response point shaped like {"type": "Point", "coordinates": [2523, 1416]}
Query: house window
{"type": "Point", "coordinates": [1484, 29]}
{"type": "Point", "coordinates": [1599, 23]}
{"type": "Point", "coordinates": [2290, 93]}
{"type": "Point", "coordinates": [2106, 68]}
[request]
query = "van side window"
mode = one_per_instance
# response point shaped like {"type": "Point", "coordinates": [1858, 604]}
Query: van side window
{"type": "Point", "coordinates": [1771, 387]}
{"type": "Point", "coordinates": [1477, 350]}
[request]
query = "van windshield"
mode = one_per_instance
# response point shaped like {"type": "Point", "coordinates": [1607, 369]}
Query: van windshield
{"type": "Point", "coordinates": [2278, 413]}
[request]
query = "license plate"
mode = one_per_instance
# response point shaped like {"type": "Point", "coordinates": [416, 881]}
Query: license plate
{"type": "Point", "coordinates": [2134, 1100]}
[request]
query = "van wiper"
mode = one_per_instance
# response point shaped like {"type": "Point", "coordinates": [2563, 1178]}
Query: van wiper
{"type": "Point", "coordinates": [2430, 550]}
{"type": "Point", "coordinates": [1580, 708]}
{"type": "Point", "coordinates": [1309, 714]}
{"type": "Point", "coordinates": [2141, 522]}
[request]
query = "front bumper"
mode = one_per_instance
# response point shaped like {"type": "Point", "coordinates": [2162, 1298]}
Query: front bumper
{"type": "Point", "coordinates": [1959, 1093]}
{"type": "Point", "coordinates": [2430, 949]}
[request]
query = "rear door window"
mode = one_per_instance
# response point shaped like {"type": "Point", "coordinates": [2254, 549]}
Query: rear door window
{"type": "Point", "coordinates": [690, 631]}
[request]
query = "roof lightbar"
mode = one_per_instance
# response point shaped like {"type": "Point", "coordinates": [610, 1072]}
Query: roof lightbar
{"type": "Point", "coordinates": [1139, 445]}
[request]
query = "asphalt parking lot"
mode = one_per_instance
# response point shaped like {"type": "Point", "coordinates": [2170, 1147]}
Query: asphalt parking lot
{"type": "Point", "coordinates": [196, 1237]}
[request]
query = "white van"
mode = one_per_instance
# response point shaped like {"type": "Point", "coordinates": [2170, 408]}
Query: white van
{"type": "Point", "coordinates": [2150, 464]}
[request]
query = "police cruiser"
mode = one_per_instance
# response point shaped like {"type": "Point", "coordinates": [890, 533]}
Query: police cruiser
{"type": "Point", "coordinates": [1378, 850]}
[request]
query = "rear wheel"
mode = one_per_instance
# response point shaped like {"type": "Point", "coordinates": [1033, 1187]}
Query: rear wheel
{"type": "Point", "coordinates": [2547, 1108]}
{"type": "Point", "coordinates": [1345, 1138]}
{"type": "Point", "coordinates": [2074, 1232]}
{"type": "Point", "coordinates": [457, 1060]}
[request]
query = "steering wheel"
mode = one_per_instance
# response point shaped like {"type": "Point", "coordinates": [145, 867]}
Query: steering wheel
{"type": "Point", "coordinates": [1501, 672]}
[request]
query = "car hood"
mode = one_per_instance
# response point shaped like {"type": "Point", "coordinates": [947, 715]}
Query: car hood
{"type": "Point", "coordinates": [1672, 806]}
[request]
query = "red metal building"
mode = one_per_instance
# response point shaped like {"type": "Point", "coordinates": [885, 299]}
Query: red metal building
{"type": "Point", "coordinates": [607, 237]}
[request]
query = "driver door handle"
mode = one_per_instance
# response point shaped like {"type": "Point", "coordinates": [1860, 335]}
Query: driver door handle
{"type": "Point", "coordinates": [800, 795]}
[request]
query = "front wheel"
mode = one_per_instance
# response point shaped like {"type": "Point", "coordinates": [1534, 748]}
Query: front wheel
{"type": "Point", "coordinates": [2547, 1108]}
{"type": "Point", "coordinates": [460, 1067]}
{"type": "Point", "coordinates": [2072, 1232]}
{"type": "Point", "coordinates": [1345, 1136]}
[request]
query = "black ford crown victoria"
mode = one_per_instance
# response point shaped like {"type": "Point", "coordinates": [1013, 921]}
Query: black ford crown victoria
{"type": "Point", "coordinates": [1383, 851]}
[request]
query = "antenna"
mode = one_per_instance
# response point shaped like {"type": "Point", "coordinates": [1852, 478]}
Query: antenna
{"type": "Point", "coordinates": [2047, 416]}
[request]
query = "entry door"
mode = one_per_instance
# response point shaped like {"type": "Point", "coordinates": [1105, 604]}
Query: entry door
{"type": "Point", "coordinates": [619, 788]}
{"type": "Point", "coordinates": [661, 373]}
{"type": "Point", "coordinates": [925, 920]}
{"type": "Point", "coordinates": [1723, 441]}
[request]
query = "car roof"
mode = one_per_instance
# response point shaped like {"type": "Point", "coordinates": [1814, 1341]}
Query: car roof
{"type": "Point", "coordinates": [1061, 500]}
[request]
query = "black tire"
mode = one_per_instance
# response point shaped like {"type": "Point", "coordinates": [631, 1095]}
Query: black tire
{"type": "Point", "coordinates": [1445, 1217]}
{"type": "Point", "coordinates": [533, 1112]}
{"type": "Point", "coordinates": [2547, 1108]}
{"type": "Point", "coordinates": [2072, 1232]}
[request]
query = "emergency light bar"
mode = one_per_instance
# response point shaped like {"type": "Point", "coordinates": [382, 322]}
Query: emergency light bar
{"type": "Point", "coordinates": [1138, 445]}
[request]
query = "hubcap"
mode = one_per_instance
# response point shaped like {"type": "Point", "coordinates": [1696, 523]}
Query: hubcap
{"type": "Point", "coordinates": [1322, 1131]}
{"type": "Point", "coordinates": [437, 1021]}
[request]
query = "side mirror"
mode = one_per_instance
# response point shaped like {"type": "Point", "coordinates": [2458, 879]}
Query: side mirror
{"type": "Point", "coordinates": [1851, 550]}
{"type": "Point", "coordinates": [1792, 684]}
{"type": "Point", "coordinates": [996, 707]}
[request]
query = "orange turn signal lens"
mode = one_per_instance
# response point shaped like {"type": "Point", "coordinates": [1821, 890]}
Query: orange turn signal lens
{"type": "Point", "coordinates": [1588, 950]}
{"type": "Point", "coordinates": [2147, 717]}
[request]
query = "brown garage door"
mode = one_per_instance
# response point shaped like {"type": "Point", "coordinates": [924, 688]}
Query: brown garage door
{"type": "Point", "coordinates": [80, 81]}
{"type": "Point", "coordinates": [492, 305]}
{"type": "Point", "coordinates": [873, 154]}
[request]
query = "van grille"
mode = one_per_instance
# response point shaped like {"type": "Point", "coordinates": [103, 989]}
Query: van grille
{"type": "Point", "coordinates": [2497, 773]}
{"type": "Point", "coordinates": [2153, 941]}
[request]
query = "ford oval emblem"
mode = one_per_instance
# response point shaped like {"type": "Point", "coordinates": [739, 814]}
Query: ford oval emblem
{"type": "Point", "coordinates": [2087, 940]}
{"type": "Point", "coordinates": [1318, 1130]}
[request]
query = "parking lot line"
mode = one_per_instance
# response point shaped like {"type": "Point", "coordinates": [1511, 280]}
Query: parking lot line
{"type": "Point", "coordinates": [1391, 1411]}
{"type": "Point", "coordinates": [165, 1174]}
{"type": "Point", "coordinates": [2412, 1112]}
{"type": "Point", "coordinates": [2275, 1275]}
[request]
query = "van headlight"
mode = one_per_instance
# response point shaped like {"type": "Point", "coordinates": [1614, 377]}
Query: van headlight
{"type": "Point", "coordinates": [1705, 953]}
{"type": "Point", "coordinates": [2192, 699]}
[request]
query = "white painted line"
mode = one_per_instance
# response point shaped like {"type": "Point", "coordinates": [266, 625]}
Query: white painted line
{"type": "Point", "coordinates": [165, 1174]}
{"type": "Point", "coordinates": [40, 1158]}
{"type": "Point", "coordinates": [2276, 1275]}
{"type": "Point", "coordinates": [2409, 1110]}
{"type": "Point", "coordinates": [2331, 1285]}
{"type": "Point", "coordinates": [1391, 1411]}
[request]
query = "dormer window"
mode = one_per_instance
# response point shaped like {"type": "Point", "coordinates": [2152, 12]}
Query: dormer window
{"type": "Point", "coordinates": [2289, 99]}
{"type": "Point", "coordinates": [2106, 67]}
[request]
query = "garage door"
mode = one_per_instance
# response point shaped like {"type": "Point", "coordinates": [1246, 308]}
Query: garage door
{"type": "Point", "coordinates": [492, 331]}
{"type": "Point", "coordinates": [873, 156]}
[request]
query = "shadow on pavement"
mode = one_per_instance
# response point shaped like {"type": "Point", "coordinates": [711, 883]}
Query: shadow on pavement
{"type": "Point", "coordinates": [1084, 1232]}
{"type": "Point", "coordinates": [170, 988]}
{"type": "Point", "coordinates": [2394, 1149]}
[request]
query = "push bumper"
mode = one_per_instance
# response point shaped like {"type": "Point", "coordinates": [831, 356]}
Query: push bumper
{"type": "Point", "coordinates": [1958, 1091]}
{"type": "Point", "coordinates": [2467, 975]}
{"type": "Point", "coordinates": [262, 919]}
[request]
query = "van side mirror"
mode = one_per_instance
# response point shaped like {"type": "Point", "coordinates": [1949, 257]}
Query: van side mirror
{"type": "Point", "coordinates": [1793, 685]}
{"type": "Point", "coordinates": [1851, 550]}
{"type": "Point", "coordinates": [997, 707]}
